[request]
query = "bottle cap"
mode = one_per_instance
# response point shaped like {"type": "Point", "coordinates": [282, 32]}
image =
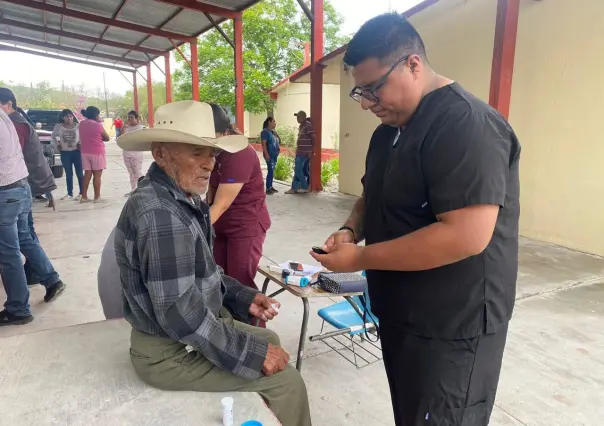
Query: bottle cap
{"type": "Point", "coordinates": [227, 402]}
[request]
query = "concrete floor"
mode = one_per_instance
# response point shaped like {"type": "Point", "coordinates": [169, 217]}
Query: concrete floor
{"type": "Point", "coordinates": [553, 373]}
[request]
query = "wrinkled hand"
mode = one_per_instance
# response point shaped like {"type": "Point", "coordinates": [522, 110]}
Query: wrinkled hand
{"type": "Point", "coordinates": [343, 257]}
{"type": "Point", "coordinates": [276, 360]}
{"type": "Point", "coordinates": [339, 237]}
{"type": "Point", "coordinates": [261, 307]}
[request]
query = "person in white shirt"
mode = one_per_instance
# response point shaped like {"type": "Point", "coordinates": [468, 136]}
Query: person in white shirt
{"type": "Point", "coordinates": [15, 235]}
{"type": "Point", "coordinates": [133, 160]}
{"type": "Point", "coordinates": [66, 138]}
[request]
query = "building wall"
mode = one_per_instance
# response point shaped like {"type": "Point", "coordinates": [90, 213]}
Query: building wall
{"type": "Point", "coordinates": [253, 124]}
{"type": "Point", "coordinates": [557, 113]}
{"type": "Point", "coordinates": [459, 41]}
{"type": "Point", "coordinates": [293, 97]}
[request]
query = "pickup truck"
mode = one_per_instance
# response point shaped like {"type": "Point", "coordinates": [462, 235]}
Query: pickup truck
{"type": "Point", "coordinates": [43, 121]}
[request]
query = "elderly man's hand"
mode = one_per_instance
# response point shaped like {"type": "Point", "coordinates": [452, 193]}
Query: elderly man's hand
{"type": "Point", "coordinates": [275, 361]}
{"type": "Point", "coordinates": [262, 307]}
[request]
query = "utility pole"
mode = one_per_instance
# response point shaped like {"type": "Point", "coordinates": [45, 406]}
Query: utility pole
{"type": "Point", "coordinates": [106, 103]}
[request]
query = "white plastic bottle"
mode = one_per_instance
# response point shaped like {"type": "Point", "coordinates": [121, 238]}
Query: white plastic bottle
{"type": "Point", "coordinates": [227, 411]}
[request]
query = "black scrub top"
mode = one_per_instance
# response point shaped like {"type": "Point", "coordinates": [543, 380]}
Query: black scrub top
{"type": "Point", "coordinates": [455, 152]}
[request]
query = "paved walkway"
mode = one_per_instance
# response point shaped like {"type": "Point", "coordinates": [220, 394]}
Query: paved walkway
{"type": "Point", "coordinates": [553, 372]}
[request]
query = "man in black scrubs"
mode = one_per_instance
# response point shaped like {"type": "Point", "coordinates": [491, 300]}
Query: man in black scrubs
{"type": "Point", "coordinates": [439, 216]}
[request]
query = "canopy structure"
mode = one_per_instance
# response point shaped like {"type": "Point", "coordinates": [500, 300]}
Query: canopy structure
{"type": "Point", "coordinates": [123, 35]}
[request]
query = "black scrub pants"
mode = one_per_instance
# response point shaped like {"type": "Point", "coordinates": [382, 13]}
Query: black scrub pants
{"type": "Point", "coordinates": [442, 382]}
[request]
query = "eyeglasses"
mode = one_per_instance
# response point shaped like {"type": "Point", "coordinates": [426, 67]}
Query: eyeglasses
{"type": "Point", "coordinates": [369, 92]}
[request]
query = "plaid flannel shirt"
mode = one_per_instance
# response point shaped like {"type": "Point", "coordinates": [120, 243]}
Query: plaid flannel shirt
{"type": "Point", "coordinates": [171, 284]}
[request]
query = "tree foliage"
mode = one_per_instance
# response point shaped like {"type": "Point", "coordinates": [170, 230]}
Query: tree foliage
{"type": "Point", "coordinates": [274, 33]}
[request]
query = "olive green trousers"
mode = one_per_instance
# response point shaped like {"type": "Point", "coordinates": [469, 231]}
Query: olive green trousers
{"type": "Point", "coordinates": [166, 364]}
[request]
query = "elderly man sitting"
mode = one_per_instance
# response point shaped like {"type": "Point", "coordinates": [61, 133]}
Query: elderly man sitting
{"type": "Point", "coordinates": [176, 297]}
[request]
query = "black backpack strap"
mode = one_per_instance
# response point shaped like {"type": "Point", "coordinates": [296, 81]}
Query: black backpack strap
{"type": "Point", "coordinates": [371, 318]}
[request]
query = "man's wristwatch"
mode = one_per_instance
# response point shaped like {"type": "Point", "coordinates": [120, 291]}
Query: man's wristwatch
{"type": "Point", "coordinates": [348, 228]}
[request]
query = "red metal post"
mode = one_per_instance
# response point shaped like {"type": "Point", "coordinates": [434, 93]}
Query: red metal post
{"type": "Point", "coordinates": [316, 92]}
{"type": "Point", "coordinates": [135, 91]}
{"type": "Point", "coordinates": [239, 114]}
{"type": "Point", "coordinates": [504, 52]}
{"type": "Point", "coordinates": [168, 79]}
{"type": "Point", "coordinates": [195, 70]}
{"type": "Point", "coordinates": [149, 96]}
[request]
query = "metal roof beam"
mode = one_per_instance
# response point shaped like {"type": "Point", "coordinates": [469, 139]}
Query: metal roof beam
{"type": "Point", "coordinates": [306, 10]}
{"type": "Point", "coordinates": [202, 7]}
{"type": "Point", "coordinates": [62, 58]}
{"type": "Point", "coordinates": [220, 30]}
{"type": "Point", "coordinates": [67, 49]}
{"type": "Point", "coordinates": [99, 19]}
{"type": "Point", "coordinates": [82, 37]}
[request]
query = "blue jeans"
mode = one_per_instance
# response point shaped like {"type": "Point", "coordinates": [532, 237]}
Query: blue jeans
{"type": "Point", "coordinates": [301, 173]}
{"type": "Point", "coordinates": [270, 167]}
{"type": "Point", "coordinates": [17, 237]}
{"type": "Point", "coordinates": [72, 159]}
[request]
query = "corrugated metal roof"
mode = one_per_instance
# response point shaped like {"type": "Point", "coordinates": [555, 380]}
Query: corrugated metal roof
{"type": "Point", "coordinates": [139, 24]}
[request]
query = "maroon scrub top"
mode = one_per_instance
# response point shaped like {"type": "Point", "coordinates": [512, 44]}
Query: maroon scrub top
{"type": "Point", "coordinates": [249, 207]}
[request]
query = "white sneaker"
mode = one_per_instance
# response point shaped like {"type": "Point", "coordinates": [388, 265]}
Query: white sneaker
{"type": "Point", "coordinates": [77, 198]}
{"type": "Point", "coordinates": [67, 197]}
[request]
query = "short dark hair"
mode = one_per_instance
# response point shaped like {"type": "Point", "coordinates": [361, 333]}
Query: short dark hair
{"type": "Point", "coordinates": [268, 120]}
{"type": "Point", "coordinates": [222, 122]}
{"type": "Point", "coordinates": [7, 95]}
{"type": "Point", "coordinates": [134, 114]}
{"type": "Point", "coordinates": [62, 115]}
{"type": "Point", "coordinates": [91, 112]}
{"type": "Point", "coordinates": [386, 37]}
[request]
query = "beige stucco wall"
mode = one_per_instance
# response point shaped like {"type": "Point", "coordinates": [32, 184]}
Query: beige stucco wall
{"type": "Point", "coordinates": [253, 124]}
{"type": "Point", "coordinates": [557, 112]}
{"type": "Point", "coordinates": [459, 41]}
{"type": "Point", "coordinates": [293, 97]}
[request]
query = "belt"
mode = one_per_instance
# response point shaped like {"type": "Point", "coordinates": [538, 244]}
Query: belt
{"type": "Point", "coordinates": [19, 184]}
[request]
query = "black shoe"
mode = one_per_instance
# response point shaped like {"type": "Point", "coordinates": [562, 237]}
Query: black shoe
{"type": "Point", "coordinates": [274, 190]}
{"type": "Point", "coordinates": [269, 192]}
{"type": "Point", "coordinates": [6, 318]}
{"type": "Point", "coordinates": [53, 292]}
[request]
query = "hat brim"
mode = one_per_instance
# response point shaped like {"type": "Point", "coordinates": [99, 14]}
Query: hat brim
{"type": "Point", "coordinates": [141, 140]}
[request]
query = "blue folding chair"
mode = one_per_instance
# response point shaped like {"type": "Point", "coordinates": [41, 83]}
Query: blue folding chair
{"type": "Point", "coordinates": [347, 318]}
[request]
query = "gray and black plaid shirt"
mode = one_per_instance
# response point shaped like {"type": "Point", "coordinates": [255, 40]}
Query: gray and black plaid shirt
{"type": "Point", "coordinates": [171, 283]}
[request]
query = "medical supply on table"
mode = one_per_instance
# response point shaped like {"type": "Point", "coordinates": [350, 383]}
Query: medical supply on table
{"type": "Point", "coordinates": [296, 280]}
{"type": "Point", "coordinates": [336, 282]}
{"type": "Point", "coordinates": [227, 411]}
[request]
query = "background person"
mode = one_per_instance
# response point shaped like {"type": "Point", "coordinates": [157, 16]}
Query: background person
{"type": "Point", "coordinates": [439, 216]}
{"type": "Point", "coordinates": [237, 208]}
{"type": "Point", "coordinates": [41, 179]}
{"type": "Point", "coordinates": [133, 160]}
{"type": "Point", "coordinates": [15, 235]}
{"type": "Point", "coordinates": [66, 137]}
{"type": "Point", "coordinates": [270, 151]}
{"type": "Point", "coordinates": [306, 140]}
{"type": "Point", "coordinates": [94, 159]}
{"type": "Point", "coordinates": [119, 125]}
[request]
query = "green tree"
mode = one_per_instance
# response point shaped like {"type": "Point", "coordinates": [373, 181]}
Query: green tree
{"type": "Point", "coordinates": [274, 33]}
{"type": "Point", "coordinates": [126, 102]}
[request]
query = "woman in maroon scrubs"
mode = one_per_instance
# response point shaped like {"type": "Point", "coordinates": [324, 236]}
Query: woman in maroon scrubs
{"type": "Point", "coordinates": [237, 208]}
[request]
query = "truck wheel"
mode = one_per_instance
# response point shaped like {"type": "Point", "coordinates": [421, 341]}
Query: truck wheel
{"type": "Point", "coordinates": [57, 171]}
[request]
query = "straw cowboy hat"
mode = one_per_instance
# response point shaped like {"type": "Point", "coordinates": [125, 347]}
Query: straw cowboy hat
{"type": "Point", "coordinates": [189, 122]}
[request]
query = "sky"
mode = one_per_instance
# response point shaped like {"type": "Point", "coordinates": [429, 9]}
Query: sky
{"type": "Point", "coordinates": [31, 69]}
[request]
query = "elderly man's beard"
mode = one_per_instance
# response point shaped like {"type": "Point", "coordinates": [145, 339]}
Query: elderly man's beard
{"type": "Point", "coordinates": [187, 184]}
